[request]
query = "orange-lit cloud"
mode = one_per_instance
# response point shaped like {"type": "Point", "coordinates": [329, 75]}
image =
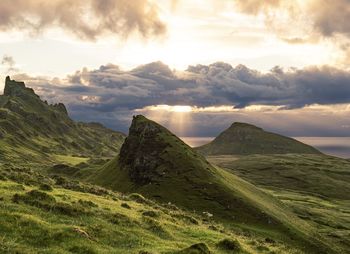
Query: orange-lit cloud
{"type": "Point", "coordinates": [312, 17]}
{"type": "Point", "coordinates": [88, 19]}
{"type": "Point", "coordinates": [256, 6]}
{"type": "Point", "coordinates": [209, 109]}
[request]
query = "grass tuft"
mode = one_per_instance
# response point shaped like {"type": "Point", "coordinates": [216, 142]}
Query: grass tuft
{"type": "Point", "coordinates": [198, 248]}
{"type": "Point", "coordinates": [229, 245]}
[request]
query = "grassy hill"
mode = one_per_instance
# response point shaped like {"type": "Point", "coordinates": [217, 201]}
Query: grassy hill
{"type": "Point", "coordinates": [40, 214]}
{"type": "Point", "coordinates": [157, 164]}
{"type": "Point", "coordinates": [316, 187]}
{"type": "Point", "coordinates": [242, 138]}
{"type": "Point", "coordinates": [32, 130]}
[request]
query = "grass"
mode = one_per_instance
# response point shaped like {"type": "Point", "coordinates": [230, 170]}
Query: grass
{"type": "Point", "coordinates": [314, 187]}
{"type": "Point", "coordinates": [31, 224]}
{"type": "Point", "coordinates": [320, 175]}
{"type": "Point", "coordinates": [71, 160]}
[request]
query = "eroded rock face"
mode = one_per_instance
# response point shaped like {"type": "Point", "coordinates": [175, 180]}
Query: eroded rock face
{"type": "Point", "coordinates": [14, 88]}
{"type": "Point", "coordinates": [141, 150]}
{"type": "Point", "coordinates": [61, 107]}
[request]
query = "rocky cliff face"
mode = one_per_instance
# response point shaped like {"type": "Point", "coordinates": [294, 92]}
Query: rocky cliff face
{"type": "Point", "coordinates": [142, 150]}
{"type": "Point", "coordinates": [61, 107]}
{"type": "Point", "coordinates": [14, 88]}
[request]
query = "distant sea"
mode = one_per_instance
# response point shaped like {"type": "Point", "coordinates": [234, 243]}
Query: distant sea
{"type": "Point", "coordinates": [337, 146]}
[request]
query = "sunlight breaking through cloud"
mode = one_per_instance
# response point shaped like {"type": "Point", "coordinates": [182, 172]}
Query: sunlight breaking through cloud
{"type": "Point", "coordinates": [213, 109]}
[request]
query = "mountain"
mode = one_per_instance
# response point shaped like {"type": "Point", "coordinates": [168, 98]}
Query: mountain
{"type": "Point", "coordinates": [243, 139]}
{"type": "Point", "coordinates": [32, 130]}
{"type": "Point", "coordinates": [157, 164]}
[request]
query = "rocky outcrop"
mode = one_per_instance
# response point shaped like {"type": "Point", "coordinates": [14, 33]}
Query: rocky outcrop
{"type": "Point", "coordinates": [61, 108]}
{"type": "Point", "coordinates": [14, 88]}
{"type": "Point", "coordinates": [141, 150]}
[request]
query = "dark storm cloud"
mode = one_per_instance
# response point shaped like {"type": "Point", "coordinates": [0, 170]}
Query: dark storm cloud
{"type": "Point", "coordinates": [87, 19]}
{"type": "Point", "coordinates": [109, 88]}
{"type": "Point", "coordinates": [110, 95]}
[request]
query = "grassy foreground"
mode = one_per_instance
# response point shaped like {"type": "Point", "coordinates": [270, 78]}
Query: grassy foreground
{"type": "Point", "coordinates": [50, 215]}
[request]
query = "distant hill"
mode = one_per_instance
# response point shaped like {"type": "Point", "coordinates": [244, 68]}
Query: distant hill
{"type": "Point", "coordinates": [157, 164]}
{"type": "Point", "coordinates": [244, 139]}
{"type": "Point", "coordinates": [33, 130]}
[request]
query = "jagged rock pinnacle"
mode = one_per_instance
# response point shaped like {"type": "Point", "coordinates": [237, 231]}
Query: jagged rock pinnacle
{"type": "Point", "coordinates": [61, 107]}
{"type": "Point", "coordinates": [141, 150]}
{"type": "Point", "coordinates": [14, 88]}
{"type": "Point", "coordinates": [151, 152]}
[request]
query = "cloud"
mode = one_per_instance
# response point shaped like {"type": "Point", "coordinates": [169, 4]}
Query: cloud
{"type": "Point", "coordinates": [8, 60]}
{"type": "Point", "coordinates": [108, 94]}
{"type": "Point", "coordinates": [256, 6]}
{"type": "Point", "coordinates": [301, 21]}
{"type": "Point", "coordinates": [199, 86]}
{"type": "Point", "coordinates": [331, 17]}
{"type": "Point", "coordinates": [87, 19]}
{"type": "Point", "coordinates": [9, 63]}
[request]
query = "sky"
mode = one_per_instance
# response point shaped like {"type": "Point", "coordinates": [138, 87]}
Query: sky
{"type": "Point", "coordinates": [195, 66]}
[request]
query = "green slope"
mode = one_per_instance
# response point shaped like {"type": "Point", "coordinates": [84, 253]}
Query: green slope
{"type": "Point", "coordinates": [50, 215]}
{"type": "Point", "coordinates": [316, 187]}
{"type": "Point", "coordinates": [321, 175]}
{"type": "Point", "coordinates": [157, 164]}
{"type": "Point", "coordinates": [242, 138]}
{"type": "Point", "coordinates": [31, 130]}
